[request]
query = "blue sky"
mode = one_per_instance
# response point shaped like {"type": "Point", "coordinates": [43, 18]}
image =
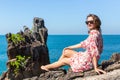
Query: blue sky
{"type": "Point", "coordinates": [60, 16]}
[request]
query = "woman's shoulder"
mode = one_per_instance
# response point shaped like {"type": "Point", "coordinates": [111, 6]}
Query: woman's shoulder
{"type": "Point", "coordinates": [94, 32]}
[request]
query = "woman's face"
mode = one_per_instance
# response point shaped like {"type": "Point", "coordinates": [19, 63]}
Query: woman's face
{"type": "Point", "coordinates": [90, 23]}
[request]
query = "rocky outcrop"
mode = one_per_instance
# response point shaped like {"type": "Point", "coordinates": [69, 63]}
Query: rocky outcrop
{"type": "Point", "coordinates": [27, 51]}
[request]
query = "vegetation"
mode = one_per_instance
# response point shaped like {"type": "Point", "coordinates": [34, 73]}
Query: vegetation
{"type": "Point", "coordinates": [16, 38]}
{"type": "Point", "coordinates": [19, 63]}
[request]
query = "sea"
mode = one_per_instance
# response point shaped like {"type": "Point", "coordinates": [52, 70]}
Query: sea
{"type": "Point", "coordinates": [56, 43]}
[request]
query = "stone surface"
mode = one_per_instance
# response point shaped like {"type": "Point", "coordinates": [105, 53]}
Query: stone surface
{"type": "Point", "coordinates": [33, 47]}
{"type": "Point", "coordinates": [113, 75]}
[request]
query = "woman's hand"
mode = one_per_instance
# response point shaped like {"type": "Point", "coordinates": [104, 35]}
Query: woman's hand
{"type": "Point", "coordinates": [99, 71]}
{"type": "Point", "coordinates": [73, 46]}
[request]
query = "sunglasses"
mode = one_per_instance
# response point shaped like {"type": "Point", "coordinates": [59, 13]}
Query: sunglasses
{"type": "Point", "coordinates": [91, 22]}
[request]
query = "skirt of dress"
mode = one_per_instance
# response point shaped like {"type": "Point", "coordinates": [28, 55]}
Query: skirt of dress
{"type": "Point", "coordinates": [80, 62]}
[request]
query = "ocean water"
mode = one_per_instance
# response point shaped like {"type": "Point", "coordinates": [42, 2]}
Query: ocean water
{"type": "Point", "coordinates": [3, 53]}
{"type": "Point", "coordinates": [56, 43]}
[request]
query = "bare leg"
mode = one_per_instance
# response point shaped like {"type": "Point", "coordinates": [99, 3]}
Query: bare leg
{"type": "Point", "coordinates": [62, 62]}
{"type": "Point", "coordinates": [67, 53]}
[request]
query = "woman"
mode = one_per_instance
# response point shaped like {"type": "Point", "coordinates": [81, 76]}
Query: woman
{"type": "Point", "coordinates": [81, 61]}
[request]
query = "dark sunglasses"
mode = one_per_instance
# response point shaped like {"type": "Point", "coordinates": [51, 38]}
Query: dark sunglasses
{"type": "Point", "coordinates": [91, 22]}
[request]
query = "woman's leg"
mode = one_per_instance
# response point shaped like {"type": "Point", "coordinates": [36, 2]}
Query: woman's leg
{"type": "Point", "coordinates": [67, 53]}
{"type": "Point", "coordinates": [59, 63]}
{"type": "Point", "coordinates": [63, 60]}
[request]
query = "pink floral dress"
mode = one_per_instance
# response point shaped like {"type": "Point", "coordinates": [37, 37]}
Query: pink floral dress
{"type": "Point", "coordinates": [93, 45]}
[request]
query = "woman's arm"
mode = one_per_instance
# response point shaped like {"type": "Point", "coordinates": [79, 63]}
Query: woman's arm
{"type": "Point", "coordinates": [96, 66]}
{"type": "Point", "coordinates": [74, 46]}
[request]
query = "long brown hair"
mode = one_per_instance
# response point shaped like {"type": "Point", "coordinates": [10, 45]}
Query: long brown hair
{"type": "Point", "coordinates": [96, 20]}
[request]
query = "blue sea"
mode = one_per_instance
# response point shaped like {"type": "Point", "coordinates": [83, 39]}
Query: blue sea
{"type": "Point", "coordinates": [56, 43]}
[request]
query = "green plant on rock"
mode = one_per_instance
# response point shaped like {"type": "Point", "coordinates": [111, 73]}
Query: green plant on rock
{"type": "Point", "coordinates": [19, 63]}
{"type": "Point", "coordinates": [16, 38]}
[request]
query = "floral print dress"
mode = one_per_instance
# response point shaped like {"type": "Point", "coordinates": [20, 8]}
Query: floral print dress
{"type": "Point", "coordinates": [93, 46]}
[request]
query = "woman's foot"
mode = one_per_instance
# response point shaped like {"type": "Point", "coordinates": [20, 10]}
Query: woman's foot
{"type": "Point", "coordinates": [44, 68]}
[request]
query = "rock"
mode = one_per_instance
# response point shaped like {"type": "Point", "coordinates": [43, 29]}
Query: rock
{"type": "Point", "coordinates": [113, 63]}
{"type": "Point", "coordinates": [57, 74]}
{"type": "Point", "coordinates": [115, 57]}
{"type": "Point", "coordinates": [71, 75]}
{"type": "Point", "coordinates": [27, 52]}
{"type": "Point", "coordinates": [113, 75]}
{"type": "Point", "coordinates": [33, 78]}
{"type": "Point", "coordinates": [3, 76]}
{"type": "Point", "coordinates": [39, 28]}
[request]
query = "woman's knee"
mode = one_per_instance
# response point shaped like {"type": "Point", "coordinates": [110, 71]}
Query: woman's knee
{"type": "Point", "coordinates": [66, 51]}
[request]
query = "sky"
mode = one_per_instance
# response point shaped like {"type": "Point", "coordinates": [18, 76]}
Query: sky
{"type": "Point", "coordinates": [60, 16]}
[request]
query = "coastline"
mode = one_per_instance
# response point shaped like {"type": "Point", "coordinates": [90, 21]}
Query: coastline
{"type": "Point", "coordinates": [115, 74]}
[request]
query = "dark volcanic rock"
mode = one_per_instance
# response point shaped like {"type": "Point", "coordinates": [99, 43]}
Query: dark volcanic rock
{"type": "Point", "coordinates": [33, 47]}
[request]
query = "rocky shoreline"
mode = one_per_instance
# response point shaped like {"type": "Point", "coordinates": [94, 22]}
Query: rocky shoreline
{"type": "Point", "coordinates": [111, 66]}
{"type": "Point", "coordinates": [27, 51]}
